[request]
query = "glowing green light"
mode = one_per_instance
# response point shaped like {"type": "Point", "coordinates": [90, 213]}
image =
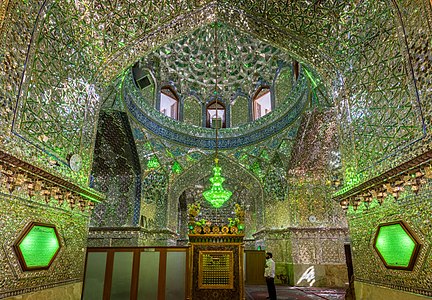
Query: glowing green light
{"type": "Point", "coordinates": [177, 168]}
{"type": "Point", "coordinates": [153, 163]}
{"type": "Point", "coordinates": [38, 247]}
{"type": "Point", "coordinates": [217, 195]}
{"type": "Point", "coordinates": [311, 78]}
{"type": "Point", "coordinates": [395, 246]}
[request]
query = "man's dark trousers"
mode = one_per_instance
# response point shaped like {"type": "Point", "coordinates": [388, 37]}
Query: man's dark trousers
{"type": "Point", "coordinates": [271, 288]}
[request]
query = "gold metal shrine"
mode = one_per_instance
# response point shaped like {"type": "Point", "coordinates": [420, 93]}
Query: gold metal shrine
{"type": "Point", "coordinates": [216, 270]}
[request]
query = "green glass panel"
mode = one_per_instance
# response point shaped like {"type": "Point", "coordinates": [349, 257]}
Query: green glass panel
{"type": "Point", "coordinates": [39, 246]}
{"type": "Point", "coordinates": [153, 163]}
{"type": "Point", "coordinates": [149, 275]}
{"type": "Point", "coordinates": [177, 168]}
{"type": "Point", "coordinates": [264, 154]}
{"type": "Point", "coordinates": [395, 245]}
{"type": "Point", "coordinates": [256, 168]}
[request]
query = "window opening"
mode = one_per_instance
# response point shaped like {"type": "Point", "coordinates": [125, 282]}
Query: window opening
{"type": "Point", "coordinates": [212, 121]}
{"type": "Point", "coordinates": [144, 82]}
{"type": "Point", "coordinates": [169, 103]}
{"type": "Point", "coordinates": [262, 103]}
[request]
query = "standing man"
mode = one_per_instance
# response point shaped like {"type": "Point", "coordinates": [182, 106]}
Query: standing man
{"type": "Point", "coordinates": [269, 274]}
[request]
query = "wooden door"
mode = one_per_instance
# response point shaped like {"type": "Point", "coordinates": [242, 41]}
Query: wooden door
{"type": "Point", "coordinates": [255, 263]}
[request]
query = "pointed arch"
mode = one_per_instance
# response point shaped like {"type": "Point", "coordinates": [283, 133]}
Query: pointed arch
{"type": "Point", "coordinates": [230, 169]}
{"type": "Point", "coordinates": [169, 102]}
{"type": "Point", "coordinates": [216, 111]}
{"type": "Point", "coordinates": [262, 102]}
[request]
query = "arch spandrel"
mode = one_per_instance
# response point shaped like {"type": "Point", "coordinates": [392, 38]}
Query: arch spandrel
{"type": "Point", "coordinates": [192, 111]}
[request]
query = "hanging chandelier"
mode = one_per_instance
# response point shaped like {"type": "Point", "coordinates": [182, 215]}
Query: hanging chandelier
{"type": "Point", "coordinates": [216, 195]}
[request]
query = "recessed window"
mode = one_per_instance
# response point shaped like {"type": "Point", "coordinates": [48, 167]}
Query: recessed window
{"type": "Point", "coordinates": [262, 103]}
{"type": "Point", "coordinates": [144, 82]}
{"type": "Point", "coordinates": [169, 103]}
{"type": "Point", "coordinates": [215, 115]}
{"type": "Point", "coordinates": [141, 76]}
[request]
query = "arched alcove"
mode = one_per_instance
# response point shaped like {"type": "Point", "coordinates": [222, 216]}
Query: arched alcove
{"type": "Point", "coordinates": [247, 191]}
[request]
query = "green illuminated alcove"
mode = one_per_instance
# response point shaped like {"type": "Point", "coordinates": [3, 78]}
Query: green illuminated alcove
{"type": "Point", "coordinates": [396, 246]}
{"type": "Point", "coordinates": [37, 246]}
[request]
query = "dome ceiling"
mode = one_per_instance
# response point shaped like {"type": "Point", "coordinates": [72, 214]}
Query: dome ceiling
{"type": "Point", "coordinates": [244, 61]}
{"type": "Point", "coordinates": [204, 138]}
{"type": "Point", "coordinates": [243, 65]}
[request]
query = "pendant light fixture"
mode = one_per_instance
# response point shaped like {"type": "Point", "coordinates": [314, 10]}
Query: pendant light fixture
{"type": "Point", "coordinates": [216, 195]}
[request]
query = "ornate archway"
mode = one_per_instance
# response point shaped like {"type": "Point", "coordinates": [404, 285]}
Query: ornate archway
{"type": "Point", "coordinates": [251, 195]}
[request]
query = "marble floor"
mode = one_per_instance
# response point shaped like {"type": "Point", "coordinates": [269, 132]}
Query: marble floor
{"type": "Point", "coordinates": [259, 292]}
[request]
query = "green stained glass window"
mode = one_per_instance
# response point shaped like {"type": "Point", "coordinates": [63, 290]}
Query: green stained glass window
{"type": "Point", "coordinates": [396, 246]}
{"type": "Point", "coordinates": [38, 246]}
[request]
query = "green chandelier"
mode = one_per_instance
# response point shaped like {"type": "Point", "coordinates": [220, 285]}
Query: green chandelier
{"type": "Point", "coordinates": [217, 195]}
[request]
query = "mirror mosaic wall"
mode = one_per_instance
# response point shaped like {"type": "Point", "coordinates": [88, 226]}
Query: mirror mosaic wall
{"type": "Point", "coordinates": [358, 111]}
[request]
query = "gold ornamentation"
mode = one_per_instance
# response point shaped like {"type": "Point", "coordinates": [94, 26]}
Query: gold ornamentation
{"type": "Point", "coordinates": [413, 180]}
{"type": "Point", "coordinates": [198, 229]}
{"type": "Point", "coordinates": [18, 175]}
{"type": "Point", "coordinates": [216, 269]}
